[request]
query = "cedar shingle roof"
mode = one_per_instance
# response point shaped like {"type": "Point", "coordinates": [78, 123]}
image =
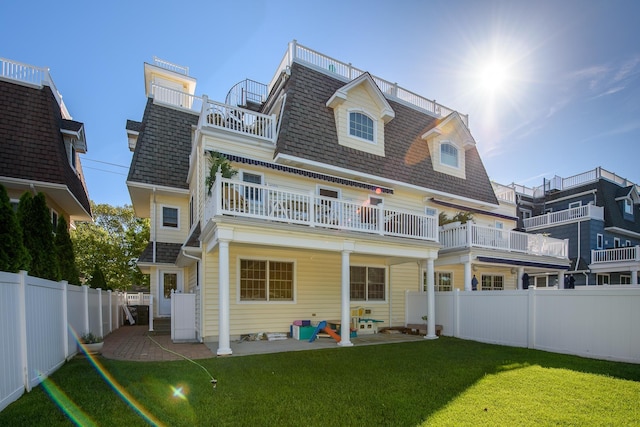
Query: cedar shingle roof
{"type": "Point", "coordinates": [31, 142]}
{"type": "Point", "coordinates": [308, 131]}
{"type": "Point", "coordinates": [162, 151]}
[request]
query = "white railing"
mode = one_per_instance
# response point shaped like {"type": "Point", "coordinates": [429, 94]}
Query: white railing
{"type": "Point", "coordinates": [170, 66]}
{"type": "Point", "coordinates": [238, 120]}
{"type": "Point", "coordinates": [236, 198]}
{"type": "Point", "coordinates": [568, 215]}
{"type": "Point", "coordinates": [559, 183]}
{"type": "Point", "coordinates": [135, 298]}
{"type": "Point", "coordinates": [472, 235]}
{"type": "Point", "coordinates": [296, 52]}
{"type": "Point", "coordinates": [176, 98]}
{"type": "Point", "coordinates": [627, 253]}
{"type": "Point", "coordinates": [507, 195]}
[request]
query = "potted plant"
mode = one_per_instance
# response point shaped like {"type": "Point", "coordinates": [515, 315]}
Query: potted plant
{"type": "Point", "coordinates": [218, 161]}
{"type": "Point", "coordinates": [91, 344]}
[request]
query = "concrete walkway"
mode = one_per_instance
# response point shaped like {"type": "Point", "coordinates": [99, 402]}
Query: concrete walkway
{"type": "Point", "coordinates": [137, 344]}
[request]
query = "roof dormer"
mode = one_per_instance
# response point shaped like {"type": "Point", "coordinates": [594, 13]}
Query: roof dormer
{"type": "Point", "coordinates": [361, 111]}
{"type": "Point", "coordinates": [73, 133]}
{"type": "Point", "coordinates": [448, 142]}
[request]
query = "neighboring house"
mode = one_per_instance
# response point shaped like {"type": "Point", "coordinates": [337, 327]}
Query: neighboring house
{"type": "Point", "coordinates": [597, 211]}
{"type": "Point", "coordinates": [341, 177]}
{"type": "Point", "coordinates": [40, 143]}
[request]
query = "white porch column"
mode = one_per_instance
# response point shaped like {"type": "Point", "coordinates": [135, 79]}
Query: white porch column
{"type": "Point", "coordinates": [560, 279]}
{"type": "Point", "coordinates": [431, 303]}
{"type": "Point", "coordinates": [467, 275]}
{"type": "Point", "coordinates": [634, 277]}
{"type": "Point", "coordinates": [345, 318]}
{"type": "Point", "coordinates": [224, 345]}
{"type": "Point", "coordinates": [519, 279]}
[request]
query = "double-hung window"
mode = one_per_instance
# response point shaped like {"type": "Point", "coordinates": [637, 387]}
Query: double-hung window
{"type": "Point", "coordinates": [169, 217]}
{"type": "Point", "coordinates": [492, 282]}
{"type": "Point", "coordinates": [265, 280]}
{"type": "Point", "coordinates": [442, 283]}
{"type": "Point", "coordinates": [367, 283]}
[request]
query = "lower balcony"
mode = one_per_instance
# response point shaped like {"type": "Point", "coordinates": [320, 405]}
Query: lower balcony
{"type": "Point", "coordinates": [241, 199]}
{"type": "Point", "coordinates": [616, 255]}
{"type": "Point", "coordinates": [472, 235]}
{"type": "Point", "coordinates": [579, 213]}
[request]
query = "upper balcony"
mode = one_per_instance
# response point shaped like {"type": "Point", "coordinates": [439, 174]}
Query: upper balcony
{"type": "Point", "coordinates": [262, 202]}
{"type": "Point", "coordinates": [471, 235]}
{"type": "Point", "coordinates": [581, 213]}
{"type": "Point", "coordinates": [617, 255]}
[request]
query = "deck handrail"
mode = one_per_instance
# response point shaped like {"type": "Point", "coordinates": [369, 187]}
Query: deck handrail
{"type": "Point", "coordinates": [473, 235]}
{"type": "Point", "coordinates": [180, 69]}
{"type": "Point", "coordinates": [626, 253]}
{"type": "Point", "coordinates": [297, 52]}
{"type": "Point", "coordinates": [564, 216]}
{"type": "Point", "coordinates": [241, 199]}
{"type": "Point", "coordinates": [236, 119]}
{"type": "Point", "coordinates": [176, 98]}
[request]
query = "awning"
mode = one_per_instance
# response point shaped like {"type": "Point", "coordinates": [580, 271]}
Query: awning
{"type": "Point", "coordinates": [522, 263]}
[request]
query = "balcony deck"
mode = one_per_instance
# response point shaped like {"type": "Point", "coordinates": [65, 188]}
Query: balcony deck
{"type": "Point", "coordinates": [581, 213]}
{"type": "Point", "coordinates": [472, 235]}
{"type": "Point", "coordinates": [263, 202]}
{"type": "Point", "coordinates": [616, 255]}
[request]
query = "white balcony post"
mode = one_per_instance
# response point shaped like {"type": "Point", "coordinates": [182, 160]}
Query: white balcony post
{"type": "Point", "coordinates": [467, 275]}
{"type": "Point", "coordinates": [345, 297]}
{"type": "Point", "coordinates": [292, 51]}
{"type": "Point", "coordinates": [381, 218]}
{"type": "Point", "coordinates": [637, 253]}
{"type": "Point", "coordinates": [431, 303]}
{"type": "Point", "coordinates": [312, 209]}
{"type": "Point", "coordinates": [217, 194]}
{"type": "Point", "coordinates": [519, 279]}
{"type": "Point", "coordinates": [560, 279]}
{"type": "Point", "coordinates": [469, 234]}
{"type": "Point", "coordinates": [224, 345]}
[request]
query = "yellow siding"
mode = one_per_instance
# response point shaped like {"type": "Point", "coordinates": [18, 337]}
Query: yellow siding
{"type": "Point", "coordinates": [167, 234]}
{"type": "Point", "coordinates": [317, 291]}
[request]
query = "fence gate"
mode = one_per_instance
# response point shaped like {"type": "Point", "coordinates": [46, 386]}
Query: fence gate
{"type": "Point", "coordinates": [183, 317]}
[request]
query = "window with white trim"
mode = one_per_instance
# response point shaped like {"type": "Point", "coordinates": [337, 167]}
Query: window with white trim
{"type": "Point", "coordinates": [443, 281]}
{"type": "Point", "coordinates": [627, 243]}
{"type": "Point", "coordinates": [628, 207]}
{"type": "Point", "coordinates": [492, 282]}
{"type": "Point", "coordinates": [616, 242]}
{"type": "Point", "coordinates": [575, 204]}
{"type": "Point", "coordinates": [251, 193]}
{"type": "Point", "coordinates": [361, 126]}
{"type": "Point", "coordinates": [265, 280]}
{"type": "Point", "coordinates": [526, 213]}
{"type": "Point", "coordinates": [367, 283]}
{"type": "Point", "coordinates": [448, 155]}
{"type": "Point", "coordinates": [170, 217]}
{"type": "Point", "coordinates": [625, 279]}
{"type": "Point", "coordinates": [599, 241]}
{"type": "Point", "coordinates": [54, 220]}
{"type": "Point", "coordinates": [430, 211]}
{"type": "Point", "coordinates": [602, 279]}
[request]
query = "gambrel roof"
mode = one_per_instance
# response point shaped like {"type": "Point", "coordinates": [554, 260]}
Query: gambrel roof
{"type": "Point", "coordinates": [308, 131]}
{"type": "Point", "coordinates": [32, 146]}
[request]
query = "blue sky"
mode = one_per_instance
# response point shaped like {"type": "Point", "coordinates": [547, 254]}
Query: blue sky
{"type": "Point", "coordinates": [567, 102]}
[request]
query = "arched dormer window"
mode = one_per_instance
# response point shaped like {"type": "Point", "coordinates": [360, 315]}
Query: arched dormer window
{"type": "Point", "coordinates": [448, 155]}
{"type": "Point", "coordinates": [361, 126]}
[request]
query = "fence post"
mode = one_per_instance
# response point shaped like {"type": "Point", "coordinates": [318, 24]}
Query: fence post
{"type": "Point", "coordinates": [100, 328]}
{"type": "Point", "coordinates": [65, 317]}
{"type": "Point", "coordinates": [110, 296]}
{"type": "Point", "coordinates": [22, 327]}
{"type": "Point", "coordinates": [85, 291]}
{"type": "Point", "coordinates": [150, 313]}
{"type": "Point", "coordinates": [456, 313]}
{"type": "Point", "coordinates": [531, 318]}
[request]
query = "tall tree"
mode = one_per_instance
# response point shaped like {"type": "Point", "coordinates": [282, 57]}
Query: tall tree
{"type": "Point", "coordinates": [113, 242]}
{"type": "Point", "coordinates": [65, 253]}
{"type": "Point", "coordinates": [35, 220]}
{"type": "Point", "coordinates": [13, 255]}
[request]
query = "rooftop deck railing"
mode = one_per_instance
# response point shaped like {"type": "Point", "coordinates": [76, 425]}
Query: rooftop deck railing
{"type": "Point", "coordinates": [472, 235]}
{"type": "Point", "coordinates": [176, 98]}
{"type": "Point", "coordinates": [627, 253]}
{"type": "Point", "coordinates": [238, 120]}
{"type": "Point", "coordinates": [297, 52]}
{"type": "Point", "coordinates": [565, 216]}
{"type": "Point", "coordinates": [170, 66]}
{"type": "Point", "coordinates": [29, 74]}
{"type": "Point", "coordinates": [559, 183]}
{"type": "Point", "coordinates": [264, 202]}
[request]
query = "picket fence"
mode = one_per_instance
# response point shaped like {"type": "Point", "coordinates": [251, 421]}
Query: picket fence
{"type": "Point", "coordinates": [39, 322]}
{"type": "Point", "coordinates": [598, 322]}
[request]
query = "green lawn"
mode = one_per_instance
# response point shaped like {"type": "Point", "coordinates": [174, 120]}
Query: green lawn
{"type": "Point", "coordinates": [442, 382]}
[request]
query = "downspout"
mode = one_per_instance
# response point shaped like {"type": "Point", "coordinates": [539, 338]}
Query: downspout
{"type": "Point", "coordinates": [575, 267]}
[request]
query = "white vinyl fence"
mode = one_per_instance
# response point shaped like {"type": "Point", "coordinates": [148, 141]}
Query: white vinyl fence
{"type": "Point", "coordinates": [599, 322]}
{"type": "Point", "coordinates": [39, 320]}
